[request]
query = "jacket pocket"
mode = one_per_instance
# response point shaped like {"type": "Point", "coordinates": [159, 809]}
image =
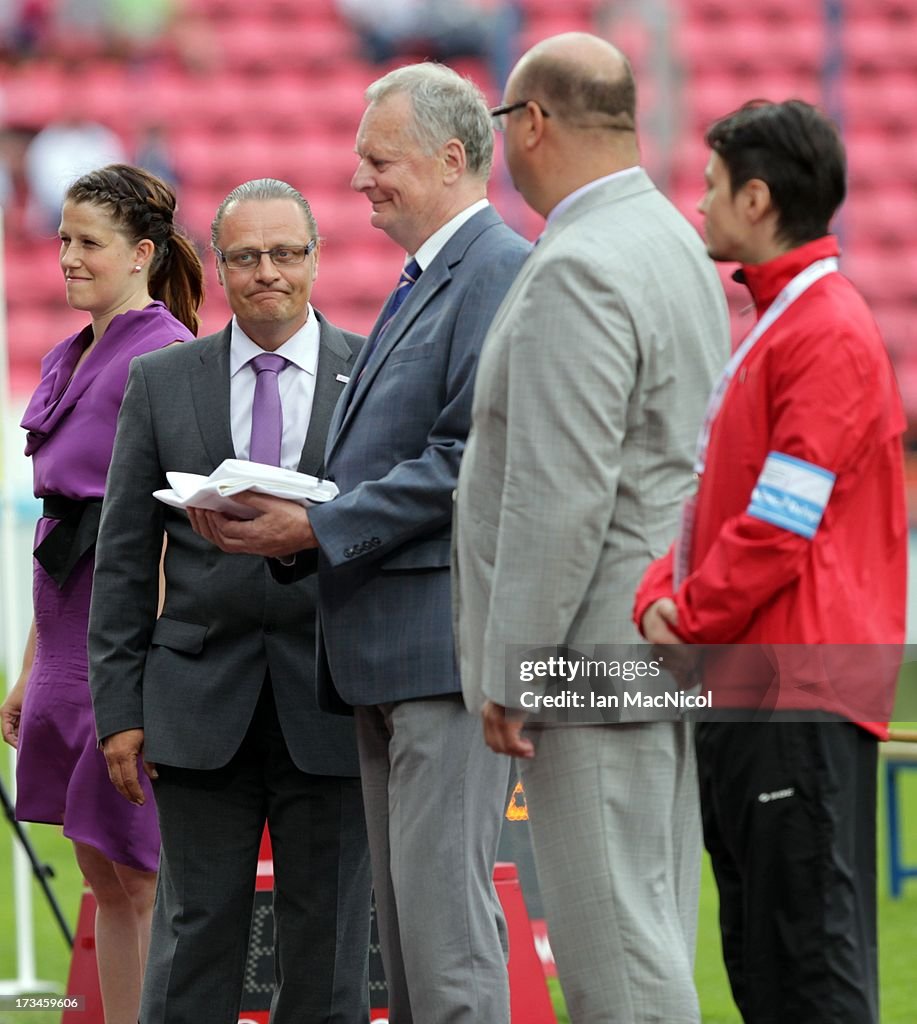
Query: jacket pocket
{"type": "Point", "coordinates": [428, 554]}
{"type": "Point", "coordinates": [411, 352]}
{"type": "Point", "coordinates": [187, 637]}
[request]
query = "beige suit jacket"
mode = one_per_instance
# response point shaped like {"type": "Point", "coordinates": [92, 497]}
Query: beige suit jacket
{"type": "Point", "coordinates": [591, 387]}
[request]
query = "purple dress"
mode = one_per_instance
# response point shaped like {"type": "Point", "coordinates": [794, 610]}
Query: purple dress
{"type": "Point", "coordinates": [61, 775]}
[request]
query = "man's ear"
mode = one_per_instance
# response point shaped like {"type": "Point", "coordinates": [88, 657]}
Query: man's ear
{"type": "Point", "coordinates": [455, 160]}
{"type": "Point", "coordinates": [534, 125]}
{"type": "Point", "coordinates": [755, 200]}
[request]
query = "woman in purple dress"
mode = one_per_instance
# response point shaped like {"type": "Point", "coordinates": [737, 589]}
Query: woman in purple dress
{"type": "Point", "coordinates": [128, 266]}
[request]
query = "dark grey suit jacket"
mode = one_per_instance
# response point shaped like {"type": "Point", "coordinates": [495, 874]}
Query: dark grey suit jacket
{"type": "Point", "coordinates": [191, 678]}
{"type": "Point", "coordinates": [394, 449]}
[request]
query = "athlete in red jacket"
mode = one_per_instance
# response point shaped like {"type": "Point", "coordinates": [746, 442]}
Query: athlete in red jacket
{"type": "Point", "coordinates": [796, 544]}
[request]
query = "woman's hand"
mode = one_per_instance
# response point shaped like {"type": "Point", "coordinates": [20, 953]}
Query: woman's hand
{"type": "Point", "coordinates": [11, 711]}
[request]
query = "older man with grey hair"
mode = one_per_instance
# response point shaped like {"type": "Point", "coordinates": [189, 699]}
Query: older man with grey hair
{"type": "Point", "coordinates": [215, 697]}
{"type": "Point", "coordinates": [433, 792]}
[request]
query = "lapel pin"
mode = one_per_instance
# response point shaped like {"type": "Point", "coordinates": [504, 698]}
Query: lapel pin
{"type": "Point", "coordinates": [342, 379]}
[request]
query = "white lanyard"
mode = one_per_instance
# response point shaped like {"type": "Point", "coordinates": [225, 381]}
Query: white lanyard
{"type": "Point", "coordinates": [788, 295]}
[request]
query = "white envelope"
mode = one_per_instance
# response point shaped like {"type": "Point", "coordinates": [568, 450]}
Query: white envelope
{"type": "Point", "coordinates": [232, 476]}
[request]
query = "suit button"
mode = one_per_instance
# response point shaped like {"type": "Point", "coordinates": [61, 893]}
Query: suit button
{"type": "Point", "coordinates": [348, 552]}
{"type": "Point", "coordinates": [375, 542]}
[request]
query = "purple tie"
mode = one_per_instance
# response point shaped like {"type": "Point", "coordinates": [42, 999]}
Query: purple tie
{"type": "Point", "coordinates": [267, 413]}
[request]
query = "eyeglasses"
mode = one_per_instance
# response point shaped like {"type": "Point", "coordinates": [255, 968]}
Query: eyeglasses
{"type": "Point", "coordinates": [281, 256]}
{"type": "Point", "coordinates": [499, 113]}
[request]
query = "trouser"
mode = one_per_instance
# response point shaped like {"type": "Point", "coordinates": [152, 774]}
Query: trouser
{"type": "Point", "coordinates": [616, 831]}
{"type": "Point", "coordinates": [434, 794]}
{"type": "Point", "coordinates": [211, 824]}
{"type": "Point", "coordinates": [789, 816]}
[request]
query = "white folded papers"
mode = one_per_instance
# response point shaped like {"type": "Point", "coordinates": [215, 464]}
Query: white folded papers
{"type": "Point", "coordinates": [232, 476]}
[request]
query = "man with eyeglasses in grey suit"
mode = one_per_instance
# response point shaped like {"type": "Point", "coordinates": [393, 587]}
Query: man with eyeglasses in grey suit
{"type": "Point", "coordinates": [215, 697]}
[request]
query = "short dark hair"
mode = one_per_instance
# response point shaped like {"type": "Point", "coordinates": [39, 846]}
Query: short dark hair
{"type": "Point", "coordinates": [797, 151]}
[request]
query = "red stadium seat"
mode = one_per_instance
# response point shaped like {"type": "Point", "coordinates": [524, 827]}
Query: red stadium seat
{"type": "Point", "coordinates": [883, 215]}
{"type": "Point", "coordinates": [33, 332]}
{"type": "Point", "coordinates": [898, 324]}
{"type": "Point", "coordinates": [885, 273]}
{"type": "Point", "coordinates": [880, 43]}
{"type": "Point", "coordinates": [881, 99]}
{"type": "Point", "coordinates": [33, 96]}
{"type": "Point", "coordinates": [33, 274]}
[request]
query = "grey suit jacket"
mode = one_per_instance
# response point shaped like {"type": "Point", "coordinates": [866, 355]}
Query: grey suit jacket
{"type": "Point", "coordinates": [592, 385]}
{"type": "Point", "coordinates": [191, 678]}
{"type": "Point", "coordinates": [394, 448]}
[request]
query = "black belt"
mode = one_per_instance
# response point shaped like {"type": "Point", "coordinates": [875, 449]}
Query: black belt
{"type": "Point", "coordinates": [74, 535]}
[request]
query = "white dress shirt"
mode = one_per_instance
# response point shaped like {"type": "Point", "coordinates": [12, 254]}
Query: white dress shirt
{"type": "Point", "coordinates": [588, 187]}
{"type": "Point", "coordinates": [428, 251]}
{"type": "Point", "coordinates": [297, 388]}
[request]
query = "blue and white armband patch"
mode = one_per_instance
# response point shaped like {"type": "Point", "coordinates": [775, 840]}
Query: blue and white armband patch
{"type": "Point", "coordinates": [791, 493]}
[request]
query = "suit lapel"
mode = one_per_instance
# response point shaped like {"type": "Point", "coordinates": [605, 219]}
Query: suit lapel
{"type": "Point", "coordinates": [334, 362]}
{"type": "Point", "coordinates": [432, 280]}
{"type": "Point", "coordinates": [210, 393]}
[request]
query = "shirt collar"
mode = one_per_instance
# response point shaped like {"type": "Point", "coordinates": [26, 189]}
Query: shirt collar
{"type": "Point", "coordinates": [300, 349]}
{"type": "Point", "coordinates": [431, 247]}
{"type": "Point", "coordinates": [570, 199]}
{"type": "Point", "coordinates": [765, 280]}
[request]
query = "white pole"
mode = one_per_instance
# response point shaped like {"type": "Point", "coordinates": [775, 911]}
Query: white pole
{"type": "Point", "coordinates": [13, 642]}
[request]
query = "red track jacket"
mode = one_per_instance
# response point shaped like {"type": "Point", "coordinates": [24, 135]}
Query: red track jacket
{"type": "Point", "coordinates": [817, 395]}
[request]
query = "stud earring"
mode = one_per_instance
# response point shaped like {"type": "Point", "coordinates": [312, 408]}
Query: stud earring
{"type": "Point", "coordinates": [137, 269]}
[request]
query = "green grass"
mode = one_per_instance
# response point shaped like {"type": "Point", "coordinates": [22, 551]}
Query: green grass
{"type": "Point", "coordinates": [51, 953]}
{"type": "Point", "coordinates": [897, 927]}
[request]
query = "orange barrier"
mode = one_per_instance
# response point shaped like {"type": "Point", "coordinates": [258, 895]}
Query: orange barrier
{"type": "Point", "coordinates": [530, 1002]}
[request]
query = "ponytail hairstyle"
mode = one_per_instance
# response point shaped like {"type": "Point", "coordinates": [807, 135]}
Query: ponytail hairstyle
{"type": "Point", "coordinates": [142, 206]}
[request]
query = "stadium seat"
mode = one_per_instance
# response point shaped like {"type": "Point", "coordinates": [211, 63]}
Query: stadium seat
{"type": "Point", "coordinates": [879, 44]}
{"type": "Point", "coordinates": [33, 96]}
{"type": "Point", "coordinates": [898, 325]}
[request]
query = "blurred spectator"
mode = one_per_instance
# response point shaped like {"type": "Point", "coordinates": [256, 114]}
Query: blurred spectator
{"type": "Point", "coordinates": [138, 26]}
{"type": "Point", "coordinates": [154, 155]}
{"type": "Point", "coordinates": [81, 26]}
{"type": "Point", "coordinates": [195, 44]}
{"type": "Point", "coordinates": [24, 25]}
{"type": "Point", "coordinates": [58, 155]}
{"type": "Point", "coordinates": [437, 29]}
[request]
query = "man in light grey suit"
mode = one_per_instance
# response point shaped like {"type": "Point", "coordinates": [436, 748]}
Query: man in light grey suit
{"type": "Point", "coordinates": [589, 395]}
{"type": "Point", "coordinates": [433, 792]}
{"type": "Point", "coordinates": [216, 696]}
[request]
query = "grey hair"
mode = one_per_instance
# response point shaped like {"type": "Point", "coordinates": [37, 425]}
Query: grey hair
{"type": "Point", "coordinates": [446, 106]}
{"type": "Point", "coordinates": [260, 189]}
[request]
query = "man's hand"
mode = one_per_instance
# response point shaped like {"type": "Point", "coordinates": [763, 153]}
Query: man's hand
{"type": "Point", "coordinates": [123, 751]}
{"type": "Point", "coordinates": [281, 529]}
{"type": "Point", "coordinates": [660, 621]}
{"type": "Point", "coordinates": [503, 731]}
